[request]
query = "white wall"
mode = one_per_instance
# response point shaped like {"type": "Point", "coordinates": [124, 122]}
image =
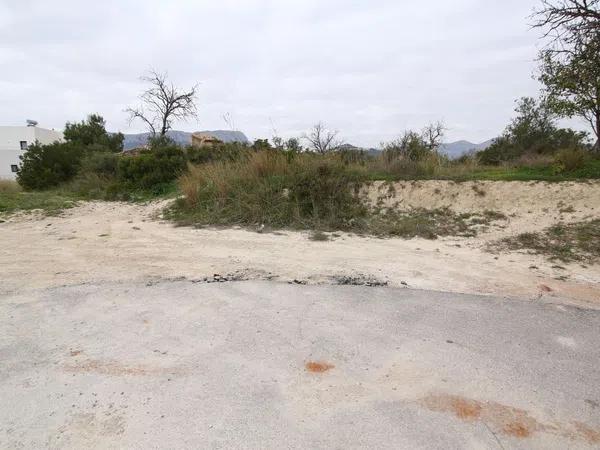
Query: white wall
{"type": "Point", "coordinates": [10, 145]}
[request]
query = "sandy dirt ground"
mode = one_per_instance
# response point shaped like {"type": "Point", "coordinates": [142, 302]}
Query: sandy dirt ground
{"type": "Point", "coordinates": [104, 241]}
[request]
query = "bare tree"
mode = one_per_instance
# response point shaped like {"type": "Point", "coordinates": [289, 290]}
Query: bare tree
{"type": "Point", "coordinates": [570, 65]}
{"type": "Point", "coordinates": [570, 24]}
{"type": "Point", "coordinates": [433, 134]}
{"type": "Point", "coordinates": [566, 20]}
{"type": "Point", "coordinates": [321, 139]}
{"type": "Point", "coordinates": [163, 103]}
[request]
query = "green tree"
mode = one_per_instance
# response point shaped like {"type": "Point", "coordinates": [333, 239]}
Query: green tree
{"type": "Point", "coordinates": [572, 84]}
{"type": "Point", "coordinates": [261, 144]}
{"type": "Point", "coordinates": [570, 64]}
{"type": "Point", "coordinates": [532, 131]}
{"type": "Point", "coordinates": [91, 134]}
{"type": "Point", "coordinates": [45, 166]}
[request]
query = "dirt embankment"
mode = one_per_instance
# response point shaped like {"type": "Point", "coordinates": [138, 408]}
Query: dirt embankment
{"type": "Point", "coordinates": [531, 206]}
{"type": "Point", "coordinates": [100, 241]}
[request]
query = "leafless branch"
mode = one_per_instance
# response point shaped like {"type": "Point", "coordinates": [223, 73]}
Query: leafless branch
{"type": "Point", "coordinates": [163, 103]}
{"type": "Point", "coordinates": [433, 134]}
{"type": "Point", "coordinates": [321, 139]}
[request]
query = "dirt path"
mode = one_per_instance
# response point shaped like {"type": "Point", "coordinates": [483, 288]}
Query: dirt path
{"type": "Point", "coordinates": [100, 241]}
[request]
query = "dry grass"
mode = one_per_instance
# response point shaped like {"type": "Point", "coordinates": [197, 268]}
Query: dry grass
{"type": "Point", "coordinates": [9, 186]}
{"type": "Point", "coordinates": [305, 191]}
{"type": "Point", "coordinates": [274, 189]}
{"type": "Point", "coordinates": [562, 242]}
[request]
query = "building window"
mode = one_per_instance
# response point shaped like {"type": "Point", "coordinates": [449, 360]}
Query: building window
{"type": "Point", "coordinates": [14, 168]}
{"type": "Point", "coordinates": [23, 145]}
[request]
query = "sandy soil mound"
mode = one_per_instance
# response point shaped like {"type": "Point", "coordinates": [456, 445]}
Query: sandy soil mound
{"type": "Point", "coordinates": [530, 205]}
{"type": "Point", "coordinates": [102, 241]}
{"type": "Point", "coordinates": [509, 197]}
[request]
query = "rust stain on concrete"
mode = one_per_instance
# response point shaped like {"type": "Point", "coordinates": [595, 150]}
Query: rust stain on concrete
{"type": "Point", "coordinates": [318, 366]}
{"type": "Point", "coordinates": [507, 420]}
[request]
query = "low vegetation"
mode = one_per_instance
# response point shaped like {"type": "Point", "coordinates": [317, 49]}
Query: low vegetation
{"type": "Point", "coordinates": [304, 191]}
{"type": "Point", "coordinates": [283, 185]}
{"type": "Point", "coordinates": [562, 242]}
{"type": "Point", "coordinates": [13, 198]}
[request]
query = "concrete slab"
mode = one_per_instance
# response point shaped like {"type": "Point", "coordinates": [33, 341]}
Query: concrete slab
{"type": "Point", "coordinates": [269, 365]}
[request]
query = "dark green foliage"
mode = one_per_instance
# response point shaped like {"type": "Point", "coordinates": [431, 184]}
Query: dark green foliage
{"type": "Point", "coordinates": [45, 166]}
{"type": "Point", "coordinates": [571, 78]}
{"type": "Point", "coordinates": [91, 134]}
{"type": "Point", "coordinates": [411, 147]}
{"type": "Point", "coordinates": [261, 144]}
{"type": "Point", "coordinates": [152, 167]}
{"type": "Point", "coordinates": [103, 164]}
{"type": "Point", "coordinates": [533, 131]}
{"type": "Point", "coordinates": [292, 145]}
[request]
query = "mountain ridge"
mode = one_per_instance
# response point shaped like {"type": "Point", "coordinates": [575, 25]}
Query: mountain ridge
{"type": "Point", "coordinates": [458, 148]}
{"type": "Point", "coordinates": [183, 138]}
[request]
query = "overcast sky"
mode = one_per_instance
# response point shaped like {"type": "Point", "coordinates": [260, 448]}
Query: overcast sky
{"type": "Point", "coordinates": [369, 69]}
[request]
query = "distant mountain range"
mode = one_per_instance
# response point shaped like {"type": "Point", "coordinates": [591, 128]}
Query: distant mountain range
{"type": "Point", "coordinates": [182, 137]}
{"type": "Point", "coordinates": [452, 149]}
{"type": "Point", "coordinates": [459, 148]}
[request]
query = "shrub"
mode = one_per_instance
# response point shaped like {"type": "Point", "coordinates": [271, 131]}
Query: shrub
{"type": "Point", "coordinates": [410, 146]}
{"type": "Point", "coordinates": [569, 160]}
{"type": "Point", "coordinates": [45, 166]}
{"type": "Point", "coordinates": [90, 185]}
{"type": "Point", "coordinates": [91, 134]}
{"type": "Point", "coordinates": [152, 167]}
{"type": "Point", "coordinates": [103, 164]}
{"type": "Point", "coordinates": [532, 131]}
{"type": "Point", "coordinates": [274, 189]}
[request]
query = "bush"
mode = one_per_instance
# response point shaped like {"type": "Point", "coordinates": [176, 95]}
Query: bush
{"type": "Point", "coordinates": [533, 131]}
{"type": "Point", "coordinates": [411, 146]}
{"type": "Point", "coordinates": [90, 185]}
{"type": "Point", "coordinates": [91, 134]}
{"type": "Point", "coordinates": [103, 164]}
{"type": "Point", "coordinates": [152, 167]}
{"type": "Point", "coordinates": [45, 166]}
{"type": "Point", "coordinates": [570, 160]}
{"type": "Point", "coordinates": [274, 189]}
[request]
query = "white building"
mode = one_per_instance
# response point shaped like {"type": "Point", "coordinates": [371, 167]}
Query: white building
{"type": "Point", "coordinates": [15, 140]}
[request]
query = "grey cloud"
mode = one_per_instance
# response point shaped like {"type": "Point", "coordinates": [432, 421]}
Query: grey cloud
{"type": "Point", "coordinates": [368, 68]}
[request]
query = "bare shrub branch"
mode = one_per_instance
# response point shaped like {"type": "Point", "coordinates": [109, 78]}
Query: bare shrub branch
{"type": "Point", "coordinates": [321, 139]}
{"type": "Point", "coordinates": [163, 103]}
